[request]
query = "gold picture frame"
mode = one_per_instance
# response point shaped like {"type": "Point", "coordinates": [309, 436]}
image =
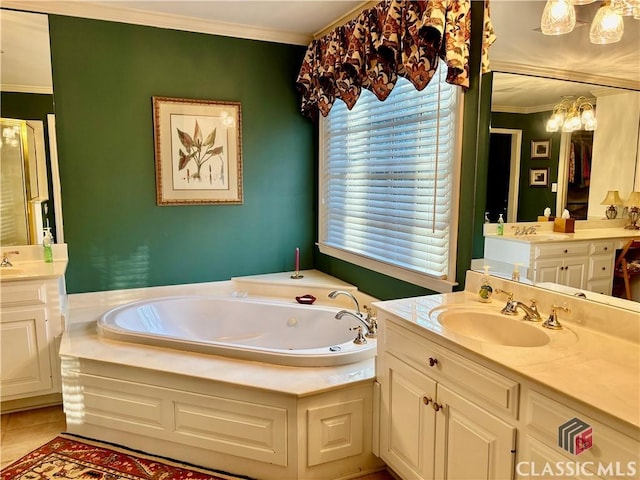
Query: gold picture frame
{"type": "Point", "coordinates": [198, 151]}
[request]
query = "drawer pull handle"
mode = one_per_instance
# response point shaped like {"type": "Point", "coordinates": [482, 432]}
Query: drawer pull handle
{"type": "Point", "coordinates": [426, 400]}
{"type": "Point", "coordinates": [566, 251]}
{"type": "Point", "coordinates": [432, 361]}
{"type": "Point", "coordinates": [437, 406]}
{"type": "Point", "coordinates": [604, 268]}
{"type": "Point", "coordinates": [606, 248]}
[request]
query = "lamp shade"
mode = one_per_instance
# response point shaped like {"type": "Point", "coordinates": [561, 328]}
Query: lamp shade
{"type": "Point", "coordinates": [612, 198]}
{"type": "Point", "coordinates": [633, 200]}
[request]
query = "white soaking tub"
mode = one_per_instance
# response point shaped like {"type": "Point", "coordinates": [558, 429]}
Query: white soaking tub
{"type": "Point", "coordinates": [251, 329]}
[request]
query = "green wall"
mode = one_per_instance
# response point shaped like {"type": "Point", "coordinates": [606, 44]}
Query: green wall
{"type": "Point", "coordinates": [33, 106]}
{"type": "Point", "coordinates": [532, 200]}
{"type": "Point", "coordinates": [104, 76]}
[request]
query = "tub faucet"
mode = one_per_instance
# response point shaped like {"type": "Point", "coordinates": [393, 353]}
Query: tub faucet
{"type": "Point", "coordinates": [335, 293]}
{"type": "Point", "coordinates": [369, 323]}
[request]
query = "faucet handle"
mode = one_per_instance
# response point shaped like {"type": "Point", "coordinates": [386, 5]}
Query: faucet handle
{"type": "Point", "coordinates": [552, 322]}
{"type": "Point", "coordinates": [508, 294]}
{"type": "Point", "coordinates": [359, 340]}
{"type": "Point", "coordinates": [5, 258]}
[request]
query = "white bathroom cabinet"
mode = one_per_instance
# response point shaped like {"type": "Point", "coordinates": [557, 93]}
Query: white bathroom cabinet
{"type": "Point", "coordinates": [584, 265]}
{"type": "Point", "coordinates": [431, 425]}
{"type": "Point", "coordinates": [449, 413]}
{"type": "Point", "coordinates": [31, 324]}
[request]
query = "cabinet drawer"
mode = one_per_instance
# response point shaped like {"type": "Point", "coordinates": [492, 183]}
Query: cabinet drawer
{"type": "Point", "coordinates": [561, 249]}
{"type": "Point", "coordinates": [544, 420]}
{"type": "Point", "coordinates": [23, 293]}
{"type": "Point", "coordinates": [600, 266]}
{"type": "Point", "coordinates": [448, 367]}
{"type": "Point", "coordinates": [598, 248]}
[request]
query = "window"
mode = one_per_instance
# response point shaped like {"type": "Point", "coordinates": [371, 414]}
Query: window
{"type": "Point", "coordinates": [389, 182]}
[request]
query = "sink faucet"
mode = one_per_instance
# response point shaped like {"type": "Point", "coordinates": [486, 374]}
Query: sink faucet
{"type": "Point", "coordinates": [335, 293]}
{"type": "Point", "coordinates": [5, 258]}
{"type": "Point", "coordinates": [531, 313]}
{"type": "Point", "coordinates": [370, 323]}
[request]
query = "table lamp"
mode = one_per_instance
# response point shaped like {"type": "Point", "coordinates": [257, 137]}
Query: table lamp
{"type": "Point", "coordinates": [633, 203]}
{"type": "Point", "coordinates": [613, 200]}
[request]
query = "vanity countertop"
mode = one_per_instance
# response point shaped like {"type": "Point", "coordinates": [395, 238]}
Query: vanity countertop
{"type": "Point", "coordinates": [597, 369]}
{"type": "Point", "coordinates": [545, 236]}
{"type": "Point", "coordinates": [28, 264]}
{"type": "Point", "coordinates": [33, 270]}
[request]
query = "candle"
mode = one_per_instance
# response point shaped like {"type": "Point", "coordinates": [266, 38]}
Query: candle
{"type": "Point", "coordinates": [297, 259]}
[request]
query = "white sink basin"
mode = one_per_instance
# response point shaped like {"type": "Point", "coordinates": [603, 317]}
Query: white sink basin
{"type": "Point", "coordinates": [550, 236]}
{"type": "Point", "coordinates": [495, 328]}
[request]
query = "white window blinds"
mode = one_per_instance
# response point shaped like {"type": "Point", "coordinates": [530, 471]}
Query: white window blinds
{"type": "Point", "coordinates": [388, 177]}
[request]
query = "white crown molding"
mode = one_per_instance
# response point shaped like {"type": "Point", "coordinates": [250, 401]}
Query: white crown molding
{"type": "Point", "coordinates": [558, 74]}
{"type": "Point", "coordinates": [44, 89]}
{"type": "Point", "coordinates": [156, 19]}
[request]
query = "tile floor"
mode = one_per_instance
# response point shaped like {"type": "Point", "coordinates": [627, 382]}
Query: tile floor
{"type": "Point", "coordinates": [25, 431]}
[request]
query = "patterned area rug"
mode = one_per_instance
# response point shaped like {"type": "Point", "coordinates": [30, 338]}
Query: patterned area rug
{"type": "Point", "coordinates": [70, 458]}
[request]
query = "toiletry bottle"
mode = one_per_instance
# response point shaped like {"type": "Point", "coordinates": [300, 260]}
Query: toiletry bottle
{"type": "Point", "coordinates": [486, 290]}
{"type": "Point", "coordinates": [500, 227]}
{"type": "Point", "coordinates": [47, 247]}
{"type": "Point", "coordinates": [515, 275]}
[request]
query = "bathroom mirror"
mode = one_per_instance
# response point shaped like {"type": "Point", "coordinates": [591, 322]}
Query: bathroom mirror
{"type": "Point", "coordinates": [531, 73]}
{"type": "Point", "coordinates": [26, 90]}
{"type": "Point", "coordinates": [520, 108]}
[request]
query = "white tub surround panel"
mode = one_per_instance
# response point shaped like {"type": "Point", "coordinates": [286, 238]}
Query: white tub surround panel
{"type": "Point", "coordinates": [32, 309]}
{"type": "Point", "coordinates": [445, 394]}
{"type": "Point", "coordinates": [245, 417]}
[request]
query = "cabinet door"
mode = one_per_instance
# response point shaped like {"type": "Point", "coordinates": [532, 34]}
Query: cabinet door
{"type": "Point", "coordinates": [407, 421]}
{"type": "Point", "coordinates": [575, 272]}
{"type": "Point", "coordinates": [548, 271]}
{"type": "Point", "coordinates": [471, 444]}
{"type": "Point", "coordinates": [25, 366]}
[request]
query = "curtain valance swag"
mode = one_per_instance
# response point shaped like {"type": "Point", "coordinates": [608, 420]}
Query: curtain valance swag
{"type": "Point", "coordinates": [394, 38]}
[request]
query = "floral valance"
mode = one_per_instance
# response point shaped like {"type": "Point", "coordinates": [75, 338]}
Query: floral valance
{"type": "Point", "coordinates": [394, 38]}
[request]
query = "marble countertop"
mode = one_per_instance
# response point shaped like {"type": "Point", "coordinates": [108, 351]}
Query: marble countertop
{"type": "Point", "coordinates": [599, 370]}
{"type": "Point", "coordinates": [28, 264]}
{"type": "Point", "coordinates": [545, 236]}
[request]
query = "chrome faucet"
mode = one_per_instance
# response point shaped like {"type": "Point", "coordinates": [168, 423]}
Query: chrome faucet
{"type": "Point", "coordinates": [335, 293]}
{"type": "Point", "coordinates": [5, 258]}
{"type": "Point", "coordinates": [370, 323]}
{"type": "Point", "coordinates": [531, 313]}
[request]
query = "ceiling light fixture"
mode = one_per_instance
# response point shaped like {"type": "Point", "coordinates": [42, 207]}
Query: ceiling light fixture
{"type": "Point", "coordinates": [559, 17]}
{"type": "Point", "coordinates": [572, 116]}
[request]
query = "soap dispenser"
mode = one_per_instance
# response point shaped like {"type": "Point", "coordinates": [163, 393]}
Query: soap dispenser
{"type": "Point", "coordinates": [515, 275]}
{"type": "Point", "coordinates": [486, 290]}
{"type": "Point", "coordinates": [500, 227]}
{"type": "Point", "coordinates": [47, 245]}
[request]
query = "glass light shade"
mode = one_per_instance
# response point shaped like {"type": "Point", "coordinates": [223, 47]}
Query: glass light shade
{"type": "Point", "coordinates": [607, 26]}
{"type": "Point", "coordinates": [572, 123]}
{"type": "Point", "coordinates": [552, 126]}
{"type": "Point", "coordinates": [558, 17]}
{"type": "Point", "coordinates": [582, 2]}
{"type": "Point", "coordinates": [623, 7]}
{"type": "Point", "coordinates": [591, 125]}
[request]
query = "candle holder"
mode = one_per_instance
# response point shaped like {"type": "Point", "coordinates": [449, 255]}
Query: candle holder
{"type": "Point", "coordinates": [296, 275]}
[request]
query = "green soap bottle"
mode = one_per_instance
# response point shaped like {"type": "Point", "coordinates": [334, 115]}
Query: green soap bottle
{"type": "Point", "coordinates": [485, 292]}
{"type": "Point", "coordinates": [47, 245]}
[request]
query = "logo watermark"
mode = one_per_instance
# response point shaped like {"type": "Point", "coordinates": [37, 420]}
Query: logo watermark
{"type": "Point", "coordinates": [576, 436]}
